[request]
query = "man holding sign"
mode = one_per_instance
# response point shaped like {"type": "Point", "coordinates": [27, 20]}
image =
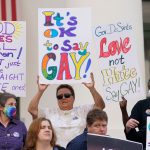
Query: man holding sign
{"type": "Point", "coordinates": [67, 120]}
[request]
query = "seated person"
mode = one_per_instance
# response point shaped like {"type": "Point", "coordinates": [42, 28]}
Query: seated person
{"type": "Point", "coordinates": [41, 136]}
{"type": "Point", "coordinates": [96, 123]}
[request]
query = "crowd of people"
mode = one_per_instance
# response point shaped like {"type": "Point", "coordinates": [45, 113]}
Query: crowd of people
{"type": "Point", "coordinates": [66, 127]}
{"type": "Point", "coordinates": [68, 121]}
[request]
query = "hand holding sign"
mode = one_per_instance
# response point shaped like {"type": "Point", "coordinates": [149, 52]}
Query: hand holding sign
{"type": "Point", "coordinates": [41, 87]}
{"type": "Point", "coordinates": [90, 85]}
{"type": "Point", "coordinates": [64, 51]}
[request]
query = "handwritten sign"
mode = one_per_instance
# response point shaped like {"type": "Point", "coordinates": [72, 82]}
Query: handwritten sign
{"type": "Point", "coordinates": [118, 61]}
{"type": "Point", "coordinates": [12, 57]}
{"type": "Point", "coordinates": [99, 142]}
{"type": "Point", "coordinates": [64, 45]}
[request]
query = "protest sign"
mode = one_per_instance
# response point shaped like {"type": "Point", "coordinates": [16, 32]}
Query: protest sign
{"type": "Point", "coordinates": [64, 45]}
{"type": "Point", "coordinates": [13, 57]}
{"type": "Point", "coordinates": [118, 61]}
{"type": "Point", "coordinates": [99, 142]}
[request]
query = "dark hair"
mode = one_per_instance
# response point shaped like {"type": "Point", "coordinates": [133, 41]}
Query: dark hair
{"type": "Point", "coordinates": [4, 97]}
{"type": "Point", "coordinates": [66, 86]}
{"type": "Point", "coordinates": [94, 115]}
{"type": "Point", "coordinates": [33, 132]}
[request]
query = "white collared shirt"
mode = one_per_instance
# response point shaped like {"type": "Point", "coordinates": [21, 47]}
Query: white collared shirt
{"type": "Point", "coordinates": [67, 124]}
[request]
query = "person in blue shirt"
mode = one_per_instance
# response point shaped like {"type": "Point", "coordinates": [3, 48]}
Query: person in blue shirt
{"type": "Point", "coordinates": [96, 123]}
{"type": "Point", "coordinates": [12, 131]}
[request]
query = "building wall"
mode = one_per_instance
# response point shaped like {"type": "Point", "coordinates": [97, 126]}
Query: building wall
{"type": "Point", "coordinates": [104, 11]}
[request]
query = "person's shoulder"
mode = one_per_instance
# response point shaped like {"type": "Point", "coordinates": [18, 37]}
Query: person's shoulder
{"type": "Point", "coordinates": [19, 123]}
{"type": "Point", "coordinates": [143, 101]}
{"type": "Point", "coordinates": [79, 139]}
{"type": "Point", "coordinates": [141, 104]}
{"type": "Point", "coordinates": [78, 143]}
{"type": "Point", "coordinates": [59, 147]}
{"type": "Point", "coordinates": [81, 136]}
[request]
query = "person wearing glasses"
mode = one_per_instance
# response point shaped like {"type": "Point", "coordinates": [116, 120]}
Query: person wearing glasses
{"type": "Point", "coordinates": [67, 120]}
{"type": "Point", "coordinates": [12, 131]}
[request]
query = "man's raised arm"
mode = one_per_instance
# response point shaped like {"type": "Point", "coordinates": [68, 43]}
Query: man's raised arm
{"type": "Point", "coordinates": [99, 102]}
{"type": "Point", "coordinates": [33, 105]}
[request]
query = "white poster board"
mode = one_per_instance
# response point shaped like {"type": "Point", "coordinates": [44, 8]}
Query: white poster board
{"type": "Point", "coordinates": [64, 45]}
{"type": "Point", "coordinates": [13, 57]}
{"type": "Point", "coordinates": [118, 61]}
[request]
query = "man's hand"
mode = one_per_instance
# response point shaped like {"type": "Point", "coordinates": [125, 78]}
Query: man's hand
{"type": "Point", "coordinates": [90, 85]}
{"type": "Point", "coordinates": [131, 124]}
{"type": "Point", "coordinates": [41, 87]}
{"type": "Point", "coordinates": [98, 100]}
{"type": "Point", "coordinates": [123, 104]}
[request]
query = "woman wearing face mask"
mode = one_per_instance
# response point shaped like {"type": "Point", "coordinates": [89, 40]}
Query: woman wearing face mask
{"type": "Point", "coordinates": [12, 131]}
{"type": "Point", "coordinates": [41, 136]}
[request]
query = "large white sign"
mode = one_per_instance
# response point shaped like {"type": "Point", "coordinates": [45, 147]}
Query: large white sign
{"type": "Point", "coordinates": [13, 57]}
{"type": "Point", "coordinates": [64, 45]}
{"type": "Point", "coordinates": [118, 62]}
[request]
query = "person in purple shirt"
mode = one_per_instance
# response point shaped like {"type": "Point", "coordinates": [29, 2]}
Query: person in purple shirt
{"type": "Point", "coordinates": [12, 131]}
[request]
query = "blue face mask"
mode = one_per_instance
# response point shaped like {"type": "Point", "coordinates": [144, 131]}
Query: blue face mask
{"type": "Point", "coordinates": [10, 111]}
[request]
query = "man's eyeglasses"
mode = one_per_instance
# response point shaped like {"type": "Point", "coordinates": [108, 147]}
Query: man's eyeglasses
{"type": "Point", "coordinates": [65, 95]}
